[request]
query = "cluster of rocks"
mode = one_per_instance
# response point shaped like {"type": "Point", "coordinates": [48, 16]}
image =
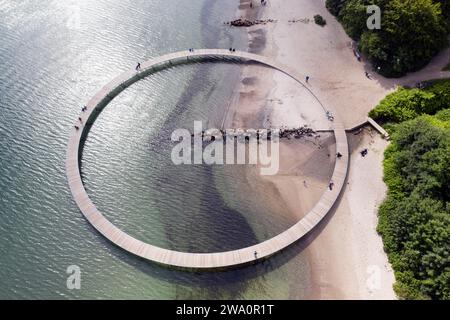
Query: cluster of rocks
{"type": "Point", "coordinates": [262, 134]}
{"type": "Point", "coordinates": [297, 133]}
{"type": "Point", "coordinates": [303, 20]}
{"type": "Point", "coordinates": [247, 23]}
{"type": "Point", "coordinates": [240, 134]}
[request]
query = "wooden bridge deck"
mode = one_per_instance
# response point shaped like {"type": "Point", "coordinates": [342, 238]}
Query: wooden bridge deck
{"type": "Point", "coordinates": [185, 259]}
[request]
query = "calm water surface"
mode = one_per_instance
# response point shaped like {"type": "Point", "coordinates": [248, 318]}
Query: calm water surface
{"type": "Point", "coordinates": [54, 56]}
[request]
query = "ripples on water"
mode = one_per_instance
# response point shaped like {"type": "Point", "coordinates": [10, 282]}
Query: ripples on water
{"type": "Point", "coordinates": [47, 72]}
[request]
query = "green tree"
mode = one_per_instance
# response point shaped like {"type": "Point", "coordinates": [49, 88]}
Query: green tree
{"type": "Point", "coordinates": [445, 7]}
{"type": "Point", "coordinates": [335, 6]}
{"type": "Point", "coordinates": [404, 104]}
{"type": "Point", "coordinates": [414, 32]}
{"type": "Point", "coordinates": [376, 48]}
{"type": "Point", "coordinates": [353, 17]}
{"type": "Point", "coordinates": [407, 104]}
{"type": "Point", "coordinates": [414, 220]}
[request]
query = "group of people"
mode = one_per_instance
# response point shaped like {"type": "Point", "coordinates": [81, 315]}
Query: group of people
{"type": "Point", "coordinates": [77, 127]}
{"type": "Point", "coordinates": [79, 118]}
{"type": "Point", "coordinates": [364, 152]}
{"type": "Point", "coordinates": [191, 50]}
{"type": "Point", "coordinates": [330, 116]}
{"type": "Point", "coordinates": [232, 50]}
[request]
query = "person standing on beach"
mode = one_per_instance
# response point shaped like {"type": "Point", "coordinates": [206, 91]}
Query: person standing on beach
{"type": "Point", "coordinates": [138, 66]}
{"type": "Point", "coordinates": [307, 79]}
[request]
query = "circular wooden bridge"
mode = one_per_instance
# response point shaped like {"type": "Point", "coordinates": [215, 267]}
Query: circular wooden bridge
{"type": "Point", "coordinates": [187, 259]}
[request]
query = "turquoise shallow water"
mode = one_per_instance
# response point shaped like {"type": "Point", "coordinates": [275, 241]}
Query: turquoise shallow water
{"type": "Point", "coordinates": [54, 56]}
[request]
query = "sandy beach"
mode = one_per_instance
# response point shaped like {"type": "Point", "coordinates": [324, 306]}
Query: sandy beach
{"type": "Point", "coordinates": [346, 254]}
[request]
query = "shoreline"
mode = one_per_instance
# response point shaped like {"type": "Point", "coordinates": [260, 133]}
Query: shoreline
{"type": "Point", "coordinates": [346, 253]}
{"type": "Point", "coordinates": [256, 104]}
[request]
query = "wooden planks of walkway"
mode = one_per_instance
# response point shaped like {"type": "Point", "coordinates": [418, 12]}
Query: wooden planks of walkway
{"type": "Point", "coordinates": [185, 259]}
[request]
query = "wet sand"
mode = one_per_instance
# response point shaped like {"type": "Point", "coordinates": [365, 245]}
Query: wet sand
{"type": "Point", "coordinates": [268, 99]}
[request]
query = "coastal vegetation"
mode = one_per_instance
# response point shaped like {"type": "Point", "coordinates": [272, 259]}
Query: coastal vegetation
{"type": "Point", "coordinates": [406, 104]}
{"type": "Point", "coordinates": [414, 219]}
{"type": "Point", "coordinates": [411, 33]}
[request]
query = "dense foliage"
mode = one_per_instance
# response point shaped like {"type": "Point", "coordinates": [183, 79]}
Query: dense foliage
{"type": "Point", "coordinates": [414, 220]}
{"type": "Point", "coordinates": [447, 67]}
{"type": "Point", "coordinates": [407, 104]}
{"type": "Point", "coordinates": [445, 7]}
{"type": "Point", "coordinates": [412, 31]}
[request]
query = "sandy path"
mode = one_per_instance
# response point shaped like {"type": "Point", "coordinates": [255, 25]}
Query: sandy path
{"type": "Point", "coordinates": [347, 254]}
